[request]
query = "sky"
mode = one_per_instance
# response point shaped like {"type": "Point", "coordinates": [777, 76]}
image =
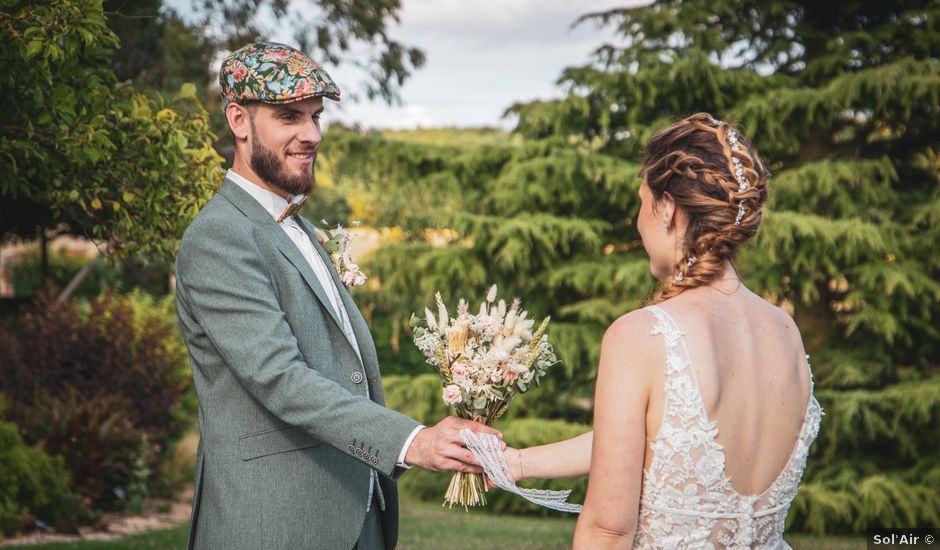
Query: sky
{"type": "Point", "coordinates": [482, 57]}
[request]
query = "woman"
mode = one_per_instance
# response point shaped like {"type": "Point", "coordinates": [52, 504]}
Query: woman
{"type": "Point", "coordinates": [704, 410]}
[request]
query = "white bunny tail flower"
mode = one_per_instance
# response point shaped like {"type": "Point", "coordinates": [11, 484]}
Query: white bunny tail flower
{"type": "Point", "coordinates": [491, 295]}
{"type": "Point", "coordinates": [509, 344]}
{"type": "Point", "coordinates": [432, 322]}
{"type": "Point", "coordinates": [442, 315]}
{"type": "Point", "coordinates": [441, 311]}
{"type": "Point", "coordinates": [510, 320]}
{"type": "Point", "coordinates": [501, 308]}
{"type": "Point", "coordinates": [523, 329]}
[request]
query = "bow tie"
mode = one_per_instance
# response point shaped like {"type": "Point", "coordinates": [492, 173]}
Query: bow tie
{"type": "Point", "coordinates": [292, 209]}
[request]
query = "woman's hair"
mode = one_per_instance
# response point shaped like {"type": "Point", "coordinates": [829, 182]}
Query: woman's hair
{"type": "Point", "coordinates": [723, 198]}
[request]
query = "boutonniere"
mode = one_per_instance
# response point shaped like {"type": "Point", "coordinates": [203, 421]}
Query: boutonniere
{"type": "Point", "coordinates": [337, 243]}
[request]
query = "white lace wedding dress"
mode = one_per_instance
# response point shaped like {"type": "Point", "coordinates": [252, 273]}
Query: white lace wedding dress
{"type": "Point", "coordinates": [688, 501]}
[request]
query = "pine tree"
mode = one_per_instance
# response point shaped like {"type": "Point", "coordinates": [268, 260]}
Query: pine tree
{"type": "Point", "coordinates": [842, 99]}
{"type": "Point", "coordinates": [542, 219]}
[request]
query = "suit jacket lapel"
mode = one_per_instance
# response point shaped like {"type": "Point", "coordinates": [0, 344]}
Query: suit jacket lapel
{"type": "Point", "coordinates": [266, 223]}
{"type": "Point", "coordinates": [359, 326]}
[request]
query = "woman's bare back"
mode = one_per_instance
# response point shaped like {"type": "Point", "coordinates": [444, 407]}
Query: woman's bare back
{"type": "Point", "coordinates": [748, 358]}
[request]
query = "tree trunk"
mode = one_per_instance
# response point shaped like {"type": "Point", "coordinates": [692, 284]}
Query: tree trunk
{"type": "Point", "coordinates": [43, 254]}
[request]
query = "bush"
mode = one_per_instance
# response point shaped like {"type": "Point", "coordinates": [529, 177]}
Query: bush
{"type": "Point", "coordinates": [33, 485]}
{"type": "Point", "coordinates": [105, 384]}
{"type": "Point", "coordinates": [524, 432]}
{"type": "Point", "coordinates": [416, 396]}
{"type": "Point", "coordinates": [123, 277]}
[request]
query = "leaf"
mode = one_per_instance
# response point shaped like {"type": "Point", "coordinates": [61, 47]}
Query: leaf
{"type": "Point", "coordinates": [187, 91]}
{"type": "Point", "coordinates": [32, 50]}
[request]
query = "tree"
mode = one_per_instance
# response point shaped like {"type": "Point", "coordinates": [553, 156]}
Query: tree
{"type": "Point", "coordinates": [843, 102]}
{"type": "Point", "coordinates": [159, 51]}
{"type": "Point", "coordinates": [333, 31]}
{"type": "Point", "coordinates": [132, 170]}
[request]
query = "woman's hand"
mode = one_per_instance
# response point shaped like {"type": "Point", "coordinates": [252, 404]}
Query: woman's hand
{"type": "Point", "coordinates": [513, 458]}
{"type": "Point", "coordinates": [514, 461]}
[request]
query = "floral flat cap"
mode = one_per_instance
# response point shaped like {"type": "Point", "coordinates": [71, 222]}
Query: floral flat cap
{"type": "Point", "coordinates": [273, 73]}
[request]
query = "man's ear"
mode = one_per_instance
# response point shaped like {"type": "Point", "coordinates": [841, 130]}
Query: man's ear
{"type": "Point", "coordinates": [238, 121]}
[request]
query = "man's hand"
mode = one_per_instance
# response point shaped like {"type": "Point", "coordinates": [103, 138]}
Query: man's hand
{"type": "Point", "coordinates": [440, 448]}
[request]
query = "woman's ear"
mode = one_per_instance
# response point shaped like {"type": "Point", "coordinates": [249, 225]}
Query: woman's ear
{"type": "Point", "coordinates": [667, 210]}
{"type": "Point", "coordinates": [238, 122]}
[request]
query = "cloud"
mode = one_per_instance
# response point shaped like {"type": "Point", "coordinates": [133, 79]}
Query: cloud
{"type": "Point", "coordinates": [482, 57]}
{"type": "Point", "coordinates": [373, 115]}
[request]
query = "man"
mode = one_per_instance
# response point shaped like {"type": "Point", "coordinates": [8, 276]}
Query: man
{"type": "Point", "coordinates": [297, 450]}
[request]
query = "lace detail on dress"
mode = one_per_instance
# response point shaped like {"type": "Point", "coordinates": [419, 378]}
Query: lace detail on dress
{"type": "Point", "coordinates": [688, 501]}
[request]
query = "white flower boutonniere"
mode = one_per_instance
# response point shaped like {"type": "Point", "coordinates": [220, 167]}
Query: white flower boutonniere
{"type": "Point", "coordinates": [337, 243]}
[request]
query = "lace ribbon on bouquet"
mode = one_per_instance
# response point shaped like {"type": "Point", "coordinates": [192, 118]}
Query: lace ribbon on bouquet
{"type": "Point", "coordinates": [488, 450]}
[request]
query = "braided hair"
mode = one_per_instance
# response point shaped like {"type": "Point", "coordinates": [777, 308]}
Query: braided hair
{"type": "Point", "coordinates": [716, 177]}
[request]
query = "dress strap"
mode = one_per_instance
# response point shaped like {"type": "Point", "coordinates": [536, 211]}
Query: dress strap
{"type": "Point", "coordinates": [666, 326]}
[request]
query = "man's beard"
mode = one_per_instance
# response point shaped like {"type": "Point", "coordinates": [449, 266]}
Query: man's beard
{"type": "Point", "coordinates": [273, 171]}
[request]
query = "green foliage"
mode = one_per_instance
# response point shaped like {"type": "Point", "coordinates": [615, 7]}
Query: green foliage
{"type": "Point", "coordinates": [542, 219]}
{"type": "Point", "coordinates": [842, 105]}
{"type": "Point", "coordinates": [33, 485]}
{"type": "Point", "coordinates": [131, 169]}
{"type": "Point", "coordinates": [122, 277]}
{"type": "Point", "coordinates": [416, 396]}
{"type": "Point", "coordinates": [108, 389]}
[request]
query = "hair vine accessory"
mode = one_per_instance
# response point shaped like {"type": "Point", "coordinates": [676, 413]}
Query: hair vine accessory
{"type": "Point", "coordinates": [688, 265]}
{"type": "Point", "coordinates": [738, 169]}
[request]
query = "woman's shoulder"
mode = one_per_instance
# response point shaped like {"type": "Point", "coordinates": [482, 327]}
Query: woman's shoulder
{"type": "Point", "coordinates": [632, 326]}
{"type": "Point", "coordinates": [631, 335]}
{"type": "Point", "coordinates": [630, 356]}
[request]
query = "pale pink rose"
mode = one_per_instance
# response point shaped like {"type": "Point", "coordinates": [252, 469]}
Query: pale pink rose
{"type": "Point", "coordinates": [353, 277]}
{"type": "Point", "coordinates": [452, 395]}
{"type": "Point", "coordinates": [509, 376]}
{"type": "Point", "coordinates": [460, 370]}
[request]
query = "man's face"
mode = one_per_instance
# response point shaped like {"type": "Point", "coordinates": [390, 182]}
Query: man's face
{"type": "Point", "coordinates": [284, 141]}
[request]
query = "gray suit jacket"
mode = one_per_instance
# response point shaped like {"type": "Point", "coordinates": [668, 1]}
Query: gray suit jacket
{"type": "Point", "coordinates": [288, 433]}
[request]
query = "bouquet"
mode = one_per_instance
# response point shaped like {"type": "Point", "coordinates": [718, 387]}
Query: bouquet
{"type": "Point", "coordinates": [484, 360]}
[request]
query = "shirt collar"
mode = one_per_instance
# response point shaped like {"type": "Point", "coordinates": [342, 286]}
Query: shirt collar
{"type": "Point", "coordinates": [272, 202]}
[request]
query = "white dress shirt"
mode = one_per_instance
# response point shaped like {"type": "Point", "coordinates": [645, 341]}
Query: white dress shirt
{"type": "Point", "coordinates": [275, 205]}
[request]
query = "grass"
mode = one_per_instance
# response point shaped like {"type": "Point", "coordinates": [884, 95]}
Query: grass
{"type": "Point", "coordinates": [431, 527]}
{"type": "Point", "coordinates": [173, 538]}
